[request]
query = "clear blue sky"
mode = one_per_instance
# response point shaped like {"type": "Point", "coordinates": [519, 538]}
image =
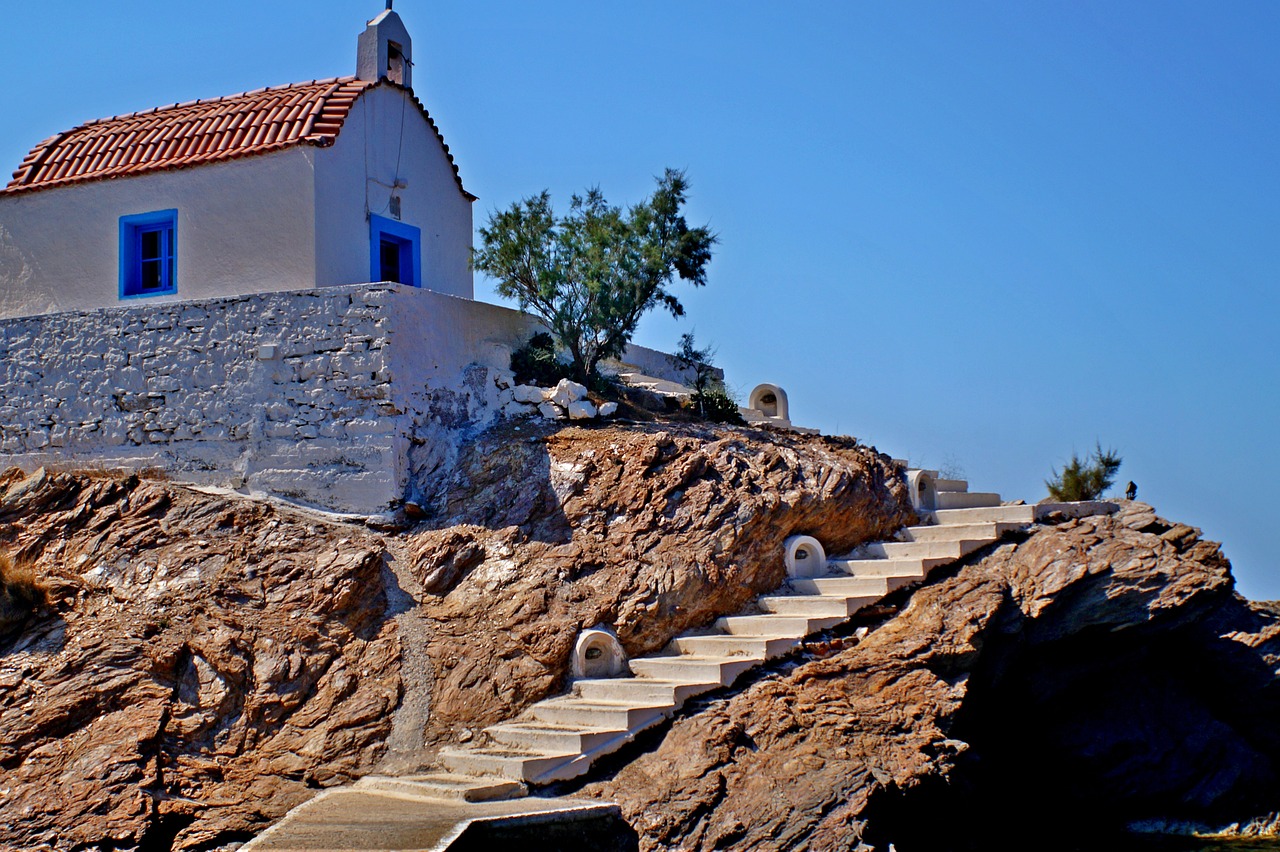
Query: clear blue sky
{"type": "Point", "coordinates": [975, 233]}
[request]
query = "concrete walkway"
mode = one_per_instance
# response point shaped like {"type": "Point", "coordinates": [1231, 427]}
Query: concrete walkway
{"type": "Point", "coordinates": [350, 819]}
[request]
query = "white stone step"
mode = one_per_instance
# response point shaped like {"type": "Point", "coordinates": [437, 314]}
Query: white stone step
{"type": "Point", "coordinates": [909, 569]}
{"type": "Point", "coordinates": [690, 667]}
{"type": "Point", "coordinates": [951, 550]}
{"type": "Point", "coordinates": [642, 690]}
{"type": "Point", "coordinates": [956, 532]}
{"type": "Point", "coordinates": [952, 485]}
{"type": "Point", "coordinates": [503, 762]}
{"type": "Point", "coordinates": [1003, 514]}
{"type": "Point", "coordinates": [816, 605]}
{"type": "Point", "coordinates": [965, 499]}
{"type": "Point", "coordinates": [1081, 509]}
{"type": "Point", "coordinates": [728, 645]}
{"type": "Point", "coordinates": [601, 714]}
{"type": "Point", "coordinates": [546, 736]}
{"type": "Point", "coordinates": [776, 626]}
{"type": "Point", "coordinates": [444, 785]}
{"type": "Point", "coordinates": [850, 586]}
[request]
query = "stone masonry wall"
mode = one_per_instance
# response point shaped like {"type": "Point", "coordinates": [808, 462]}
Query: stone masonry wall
{"type": "Point", "coordinates": [221, 391]}
{"type": "Point", "coordinates": [348, 398]}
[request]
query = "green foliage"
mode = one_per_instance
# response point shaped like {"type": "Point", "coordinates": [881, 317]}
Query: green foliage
{"type": "Point", "coordinates": [1085, 479]}
{"type": "Point", "coordinates": [592, 274]}
{"type": "Point", "coordinates": [536, 363]}
{"type": "Point", "coordinates": [718, 405]}
{"type": "Point", "coordinates": [689, 357]}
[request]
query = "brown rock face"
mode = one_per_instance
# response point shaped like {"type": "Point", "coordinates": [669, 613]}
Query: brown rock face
{"type": "Point", "coordinates": [650, 530]}
{"type": "Point", "coordinates": [1100, 672]}
{"type": "Point", "coordinates": [204, 665]}
{"type": "Point", "coordinates": [208, 663]}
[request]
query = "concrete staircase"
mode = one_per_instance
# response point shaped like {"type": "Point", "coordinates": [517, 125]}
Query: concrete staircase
{"type": "Point", "coordinates": [560, 738]}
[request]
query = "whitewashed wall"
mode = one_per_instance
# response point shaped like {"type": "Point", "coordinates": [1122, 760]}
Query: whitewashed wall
{"type": "Point", "coordinates": [346, 398]}
{"type": "Point", "coordinates": [244, 226]}
{"type": "Point", "coordinates": [360, 170]}
{"type": "Point", "coordinates": [291, 219]}
{"type": "Point", "coordinates": [197, 389]}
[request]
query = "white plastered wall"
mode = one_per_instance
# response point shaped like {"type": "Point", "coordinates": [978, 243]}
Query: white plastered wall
{"type": "Point", "coordinates": [385, 138]}
{"type": "Point", "coordinates": [244, 226]}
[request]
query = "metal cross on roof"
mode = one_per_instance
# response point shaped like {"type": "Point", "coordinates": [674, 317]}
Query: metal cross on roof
{"type": "Point", "coordinates": [389, 2]}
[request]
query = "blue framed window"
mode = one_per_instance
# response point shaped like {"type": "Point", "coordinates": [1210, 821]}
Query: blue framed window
{"type": "Point", "coordinates": [395, 251]}
{"type": "Point", "coordinates": [149, 254]}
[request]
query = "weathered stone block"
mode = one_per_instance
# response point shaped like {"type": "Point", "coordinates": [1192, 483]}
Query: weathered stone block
{"type": "Point", "coordinates": [581, 410]}
{"type": "Point", "coordinates": [527, 393]}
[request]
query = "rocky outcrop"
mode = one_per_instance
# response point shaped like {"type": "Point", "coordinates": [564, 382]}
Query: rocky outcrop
{"type": "Point", "coordinates": [1100, 672]}
{"type": "Point", "coordinates": [648, 530]}
{"type": "Point", "coordinates": [206, 662]}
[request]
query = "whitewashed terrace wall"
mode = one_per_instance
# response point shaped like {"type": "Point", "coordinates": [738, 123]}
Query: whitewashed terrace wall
{"type": "Point", "coordinates": [287, 393]}
{"type": "Point", "coordinates": [344, 398]}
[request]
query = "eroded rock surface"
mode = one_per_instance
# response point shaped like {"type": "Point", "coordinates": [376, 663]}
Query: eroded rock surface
{"type": "Point", "coordinates": [1099, 672]}
{"type": "Point", "coordinates": [648, 530]}
{"type": "Point", "coordinates": [209, 662]}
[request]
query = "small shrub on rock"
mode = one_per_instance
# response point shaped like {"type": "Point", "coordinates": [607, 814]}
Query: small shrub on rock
{"type": "Point", "coordinates": [21, 593]}
{"type": "Point", "coordinates": [1085, 479]}
{"type": "Point", "coordinates": [711, 400]}
{"type": "Point", "coordinates": [537, 363]}
{"type": "Point", "coordinates": [718, 405]}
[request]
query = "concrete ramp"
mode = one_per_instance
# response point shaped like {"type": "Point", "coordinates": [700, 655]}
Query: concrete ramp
{"type": "Point", "coordinates": [352, 819]}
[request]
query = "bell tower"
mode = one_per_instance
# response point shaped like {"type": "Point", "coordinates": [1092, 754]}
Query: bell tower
{"type": "Point", "coordinates": [385, 51]}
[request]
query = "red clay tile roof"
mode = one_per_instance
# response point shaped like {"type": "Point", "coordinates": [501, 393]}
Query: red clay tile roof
{"type": "Point", "coordinates": [205, 131]}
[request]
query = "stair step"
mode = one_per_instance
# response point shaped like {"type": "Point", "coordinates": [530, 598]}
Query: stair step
{"type": "Point", "coordinates": [503, 761]}
{"type": "Point", "coordinates": [1002, 514]}
{"type": "Point", "coordinates": [775, 626]}
{"type": "Point", "coordinates": [444, 785]}
{"type": "Point", "coordinates": [923, 549]}
{"type": "Point", "coordinates": [546, 736]}
{"type": "Point", "coordinates": [816, 605]}
{"type": "Point", "coordinates": [951, 485]}
{"type": "Point", "coordinates": [643, 690]}
{"type": "Point", "coordinates": [601, 714]}
{"type": "Point", "coordinates": [690, 667]}
{"type": "Point", "coordinates": [849, 586]}
{"type": "Point", "coordinates": [965, 499]}
{"type": "Point", "coordinates": [728, 645]}
{"type": "Point", "coordinates": [1080, 509]}
{"type": "Point", "coordinates": [956, 532]}
{"type": "Point", "coordinates": [910, 569]}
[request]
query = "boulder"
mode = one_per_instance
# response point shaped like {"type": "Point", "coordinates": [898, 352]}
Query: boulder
{"type": "Point", "coordinates": [581, 410]}
{"type": "Point", "coordinates": [527, 393]}
{"type": "Point", "coordinates": [608, 409]}
{"type": "Point", "coordinates": [503, 379]}
{"type": "Point", "coordinates": [551, 411]}
{"type": "Point", "coordinates": [517, 409]}
{"type": "Point", "coordinates": [566, 392]}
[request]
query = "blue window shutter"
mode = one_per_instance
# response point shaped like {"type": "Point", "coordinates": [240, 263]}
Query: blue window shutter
{"type": "Point", "coordinates": [395, 251]}
{"type": "Point", "coordinates": [149, 254]}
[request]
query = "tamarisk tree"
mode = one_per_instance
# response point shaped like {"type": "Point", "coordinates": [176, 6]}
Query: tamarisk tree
{"type": "Point", "coordinates": [591, 274]}
{"type": "Point", "coordinates": [1085, 478]}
